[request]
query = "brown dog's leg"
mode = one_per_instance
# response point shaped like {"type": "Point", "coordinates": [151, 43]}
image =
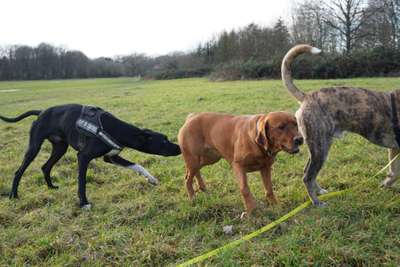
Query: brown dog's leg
{"type": "Point", "coordinates": [192, 167]}
{"type": "Point", "coordinates": [200, 182]}
{"type": "Point", "coordinates": [266, 178]}
{"type": "Point", "coordinates": [248, 199]}
{"type": "Point", "coordinates": [394, 168]}
{"type": "Point", "coordinates": [189, 183]}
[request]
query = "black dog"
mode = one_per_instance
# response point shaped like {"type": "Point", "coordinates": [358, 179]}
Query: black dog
{"type": "Point", "coordinates": [93, 133]}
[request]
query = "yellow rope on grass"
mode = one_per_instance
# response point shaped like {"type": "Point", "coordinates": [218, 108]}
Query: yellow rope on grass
{"type": "Point", "coordinates": [271, 225]}
{"type": "Point", "coordinates": [258, 232]}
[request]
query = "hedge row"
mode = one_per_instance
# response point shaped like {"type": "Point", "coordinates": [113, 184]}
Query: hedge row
{"type": "Point", "coordinates": [361, 63]}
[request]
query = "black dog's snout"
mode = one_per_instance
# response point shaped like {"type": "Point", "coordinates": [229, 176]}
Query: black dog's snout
{"type": "Point", "coordinates": [298, 140]}
{"type": "Point", "coordinates": [178, 150]}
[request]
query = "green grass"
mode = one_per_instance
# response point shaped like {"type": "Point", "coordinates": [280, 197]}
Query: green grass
{"type": "Point", "coordinates": [133, 223]}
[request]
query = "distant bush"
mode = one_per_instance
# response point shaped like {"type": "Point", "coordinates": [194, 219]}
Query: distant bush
{"type": "Point", "coordinates": [242, 62]}
{"type": "Point", "coordinates": [360, 63]}
{"type": "Point", "coordinates": [245, 70]}
{"type": "Point", "coordinates": [179, 74]}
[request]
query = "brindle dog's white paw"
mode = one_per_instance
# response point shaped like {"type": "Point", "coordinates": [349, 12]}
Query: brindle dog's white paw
{"type": "Point", "coordinates": [320, 204]}
{"type": "Point", "coordinates": [87, 207]}
{"type": "Point", "coordinates": [388, 182]}
{"type": "Point", "coordinates": [322, 191]}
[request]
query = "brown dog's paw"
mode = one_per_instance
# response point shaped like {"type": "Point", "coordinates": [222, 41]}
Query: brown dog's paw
{"type": "Point", "coordinates": [250, 206]}
{"type": "Point", "coordinates": [244, 215]}
{"type": "Point", "coordinates": [272, 200]}
{"type": "Point", "coordinates": [191, 197]}
{"type": "Point", "coordinates": [198, 190]}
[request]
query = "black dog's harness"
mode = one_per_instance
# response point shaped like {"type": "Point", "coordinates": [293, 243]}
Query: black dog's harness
{"type": "Point", "coordinates": [395, 119]}
{"type": "Point", "coordinates": [89, 124]}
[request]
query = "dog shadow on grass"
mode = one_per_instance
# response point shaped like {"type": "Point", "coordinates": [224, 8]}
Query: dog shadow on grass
{"type": "Point", "coordinates": [394, 189]}
{"type": "Point", "coordinates": [4, 190]}
{"type": "Point", "coordinates": [4, 193]}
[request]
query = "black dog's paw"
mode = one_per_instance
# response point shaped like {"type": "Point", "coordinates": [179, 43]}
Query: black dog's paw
{"type": "Point", "coordinates": [153, 181]}
{"type": "Point", "coordinates": [53, 187]}
{"type": "Point", "coordinates": [13, 195]}
{"type": "Point", "coordinates": [86, 206]}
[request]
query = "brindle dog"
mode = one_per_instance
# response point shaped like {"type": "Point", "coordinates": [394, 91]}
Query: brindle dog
{"type": "Point", "coordinates": [329, 112]}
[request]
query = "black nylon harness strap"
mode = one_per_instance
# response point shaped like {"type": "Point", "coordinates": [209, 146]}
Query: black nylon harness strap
{"type": "Point", "coordinates": [89, 124]}
{"type": "Point", "coordinates": [395, 118]}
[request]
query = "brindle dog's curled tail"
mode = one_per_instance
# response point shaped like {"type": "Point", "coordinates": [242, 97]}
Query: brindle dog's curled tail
{"type": "Point", "coordinates": [286, 68]}
{"type": "Point", "coordinates": [22, 116]}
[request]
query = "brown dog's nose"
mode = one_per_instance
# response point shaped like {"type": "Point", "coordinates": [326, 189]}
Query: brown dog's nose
{"type": "Point", "coordinates": [298, 140]}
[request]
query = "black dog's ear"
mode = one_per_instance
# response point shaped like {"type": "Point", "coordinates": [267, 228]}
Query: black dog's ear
{"type": "Point", "coordinates": [143, 136]}
{"type": "Point", "coordinates": [147, 133]}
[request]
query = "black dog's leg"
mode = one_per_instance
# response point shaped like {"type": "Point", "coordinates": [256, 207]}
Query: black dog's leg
{"type": "Point", "coordinates": [59, 149]}
{"type": "Point", "coordinates": [35, 142]}
{"type": "Point", "coordinates": [83, 162]}
{"type": "Point", "coordinates": [117, 160]}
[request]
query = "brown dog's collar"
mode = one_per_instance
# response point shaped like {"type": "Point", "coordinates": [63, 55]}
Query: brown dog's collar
{"type": "Point", "coordinates": [269, 153]}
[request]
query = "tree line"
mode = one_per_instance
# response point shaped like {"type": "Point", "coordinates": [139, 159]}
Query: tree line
{"type": "Point", "coordinates": [358, 37]}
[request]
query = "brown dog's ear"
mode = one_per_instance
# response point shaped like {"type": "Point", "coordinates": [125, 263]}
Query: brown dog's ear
{"type": "Point", "coordinates": [261, 136]}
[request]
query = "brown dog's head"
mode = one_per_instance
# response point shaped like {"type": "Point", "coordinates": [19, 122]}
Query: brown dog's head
{"type": "Point", "coordinates": [278, 131]}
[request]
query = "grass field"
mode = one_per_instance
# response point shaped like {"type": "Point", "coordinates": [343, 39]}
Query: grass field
{"type": "Point", "coordinates": [133, 223]}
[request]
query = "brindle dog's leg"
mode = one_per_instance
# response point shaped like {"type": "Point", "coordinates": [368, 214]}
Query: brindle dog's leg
{"type": "Point", "coordinates": [394, 168]}
{"type": "Point", "coordinates": [319, 147]}
{"type": "Point", "coordinates": [320, 191]}
{"type": "Point", "coordinates": [307, 165]}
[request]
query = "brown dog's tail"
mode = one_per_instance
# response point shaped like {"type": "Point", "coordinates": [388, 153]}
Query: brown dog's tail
{"type": "Point", "coordinates": [190, 115]}
{"type": "Point", "coordinates": [22, 116]}
{"type": "Point", "coordinates": [286, 68]}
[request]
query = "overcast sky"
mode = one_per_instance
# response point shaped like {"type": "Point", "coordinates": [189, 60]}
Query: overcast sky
{"type": "Point", "coordinates": [119, 27]}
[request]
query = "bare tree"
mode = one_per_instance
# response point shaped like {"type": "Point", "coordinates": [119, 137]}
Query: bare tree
{"type": "Point", "coordinates": [347, 17]}
{"type": "Point", "coordinates": [308, 23]}
{"type": "Point", "coordinates": [393, 10]}
{"type": "Point", "coordinates": [379, 30]}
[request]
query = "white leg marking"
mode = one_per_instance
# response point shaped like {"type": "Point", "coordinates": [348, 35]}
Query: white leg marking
{"type": "Point", "coordinates": [87, 207]}
{"type": "Point", "coordinates": [388, 181]}
{"type": "Point", "coordinates": [113, 152]}
{"type": "Point", "coordinates": [150, 178]}
{"type": "Point", "coordinates": [322, 191]}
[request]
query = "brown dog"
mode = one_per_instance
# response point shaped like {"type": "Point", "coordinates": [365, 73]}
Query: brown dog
{"type": "Point", "coordinates": [248, 143]}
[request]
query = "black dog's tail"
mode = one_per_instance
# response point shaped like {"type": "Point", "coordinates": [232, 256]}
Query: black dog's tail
{"type": "Point", "coordinates": [22, 116]}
